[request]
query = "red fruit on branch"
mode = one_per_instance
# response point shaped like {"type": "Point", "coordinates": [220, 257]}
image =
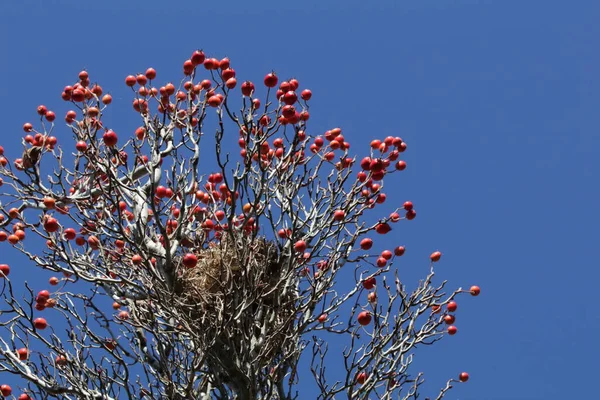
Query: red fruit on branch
{"type": "Point", "coordinates": [383, 228]}
{"type": "Point", "coordinates": [42, 296]}
{"type": "Point", "coordinates": [130, 80]}
{"type": "Point", "coordinates": [4, 270]}
{"type": "Point", "coordinates": [364, 318]}
{"type": "Point", "coordinates": [386, 254]}
{"type": "Point", "coordinates": [399, 251]}
{"type": "Point", "coordinates": [51, 225]}
{"type": "Point", "coordinates": [475, 290]}
{"type": "Point", "coordinates": [150, 73]}
{"type": "Point", "coordinates": [6, 390]}
{"type": "Point", "coordinates": [452, 330]}
{"type": "Point", "coordinates": [270, 80]}
{"type": "Point", "coordinates": [435, 256]}
{"type": "Point", "coordinates": [197, 57]}
{"type": "Point", "coordinates": [136, 259]}
{"type": "Point", "coordinates": [69, 233]}
{"type": "Point", "coordinates": [369, 283]}
{"type": "Point", "coordinates": [452, 306]}
{"type": "Point", "coordinates": [361, 378]}
{"type": "Point", "coordinates": [110, 138]}
{"type": "Point", "coordinates": [463, 377]}
{"type": "Point", "coordinates": [339, 215]}
{"type": "Point", "coordinates": [300, 246]}
{"type": "Point", "coordinates": [40, 323]}
{"type": "Point", "coordinates": [247, 88]}
{"type": "Point", "coordinates": [23, 353]}
{"type": "Point", "coordinates": [190, 260]}
{"type": "Point", "coordinates": [50, 116]}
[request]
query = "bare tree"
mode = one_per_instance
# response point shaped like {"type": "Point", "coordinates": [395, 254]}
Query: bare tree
{"type": "Point", "coordinates": [178, 285]}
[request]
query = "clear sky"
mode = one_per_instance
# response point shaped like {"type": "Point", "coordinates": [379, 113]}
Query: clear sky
{"type": "Point", "coordinates": [497, 100]}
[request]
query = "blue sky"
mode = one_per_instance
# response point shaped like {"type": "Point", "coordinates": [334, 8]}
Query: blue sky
{"type": "Point", "coordinates": [498, 103]}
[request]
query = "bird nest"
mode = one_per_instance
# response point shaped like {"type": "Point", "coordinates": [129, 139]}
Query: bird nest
{"type": "Point", "coordinates": [241, 288]}
{"type": "Point", "coordinates": [232, 266]}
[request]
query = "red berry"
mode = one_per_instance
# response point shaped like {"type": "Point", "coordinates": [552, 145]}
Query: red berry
{"type": "Point", "coordinates": [401, 165]}
{"type": "Point", "coordinates": [247, 88]}
{"type": "Point", "coordinates": [475, 290]}
{"type": "Point", "coordinates": [4, 270]}
{"type": "Point", "coordinates": [300, 246]}
{"type": "Point", "coordinates": [271, 80]}
{"type": "Point", "coordinates": [190, 260]}
{"type": "Point", "coordinates": [69, 233]}
{"type": "Point", "coordinates": [214, 101]}
{"type": "Point", "coordinates": [381, 262]}
{"type": "Point", "coordinates": [452, 330]}
{"type": "Point", "coordinates": [361, 377]}
{"type": "Point", "coordinates": [322, 318]}
{"type": "Point", "coordinates": [399, 250]}
{"type": "Point", "coordinates": [228, 73]}
{"type": "Point", "coordinates": [50, 116]}
{"type": "Point", "coordinates": [197, 57]}
{"type": "Point", "coordinates": [411, 214]}
{"type": "Point", "coordinates": [231, 83]}
{"type": "Point", "coordinates": [130, 80]}
{"type": "Point", "coordinates": [290, 97]}
{"type": "Point", "coordinates": [42, 110]}
{"type": "Point", "coordinates": [408, 205]}
{"type": "Point", "coordinates": [224, 63]}
{"type": "Point", "coordinates": [141, 79]}
{"type": "Point", "coordinates": [150, 73]}
{"type": "Point", "coordinates": [136, 259]}
{"type": "Point", "coordinates": [449, 319]}
{"type": "Point", "coordinates": [53, 281]}
{"type": "Point", "coordinates": [383, 228]}
{"type": "Point", "coordinates": [40, 323]}
{"type": "Point", "coordinates": [364, 318]}
{"type": "Point", "coordinates": [6, 390]}
{"type": "Point", "coordinates": [369, 283]}
{"type": "Point", "coordinates": [188, 67]}
{"type": "Point", "coordinates": [110, 138]}
{"type": "Point", "coordinates": [23, 353]}
{"type": "Point", "coordinates": [51, 225]}
{"type": "Point", "coordinates": [452, 306]}
{"type": "Point", "coordinates": [306, 94]}
{"type": "Point", "coordinates": [366, 244]}
{"type": "Point", "coordinates": [463, 377]}
{"type": "Point", "coordinates": [339, 215]}
{"type": "Point", "coordinates": [435, 256]}
{"type": "Point", "coordinates": [42, 296]}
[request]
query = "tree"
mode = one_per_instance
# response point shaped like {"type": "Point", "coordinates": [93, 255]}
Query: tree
{"type": "Point", "coordinates": [173, 284]}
